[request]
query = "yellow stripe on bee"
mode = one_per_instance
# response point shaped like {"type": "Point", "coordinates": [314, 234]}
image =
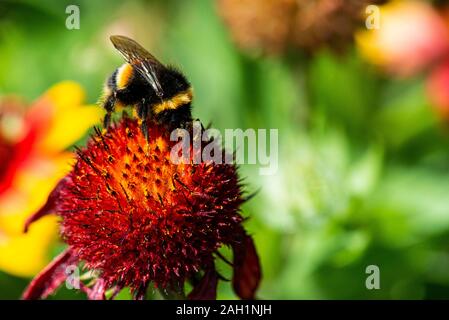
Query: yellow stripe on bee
{"type": "Point", "coordinates": [180, 99]}
{"type": "Point", "coordinates": [123, 76]}
{"type": "Point", "coordinates": [107, 91]}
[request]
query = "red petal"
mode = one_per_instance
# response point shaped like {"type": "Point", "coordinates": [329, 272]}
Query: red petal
{"type": "Point", "coordinates": [247, 272]}
{"type": "Point", "coordinates": [97, 292]}
{"type": "Point", "coordinates": [206, 289]}
{"type": "Point", "coordinates": [49, 279]}
{"type": "Point", "coordinates": [49, 206]}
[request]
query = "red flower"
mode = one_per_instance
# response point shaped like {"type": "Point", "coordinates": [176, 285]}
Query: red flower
{"type": "Point", "coordinates": [134, 216]}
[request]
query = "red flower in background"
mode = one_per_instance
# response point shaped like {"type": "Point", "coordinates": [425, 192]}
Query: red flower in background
{"type": "Point", "coordinates": [135, 217]}
{"type": "Point", "coordinates": [34, 156]}
{"type": "Point", "coordinates": [412, 36]}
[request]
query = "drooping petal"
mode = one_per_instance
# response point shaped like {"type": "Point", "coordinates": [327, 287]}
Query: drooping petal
{"type": "Point", "coordinates": [49, 207]}
{"type": "Point", "coordinates": [49, 279]}
{"type": "Point", "coordinates": [97, 292]}
{"type": "Point", "coordinates": [247, 272]}
{"type": "Point", "coordinates": [206, 289]}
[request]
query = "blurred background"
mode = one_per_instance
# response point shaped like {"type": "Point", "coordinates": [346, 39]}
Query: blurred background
{"type": "Point", "coordinates": [360, 98]}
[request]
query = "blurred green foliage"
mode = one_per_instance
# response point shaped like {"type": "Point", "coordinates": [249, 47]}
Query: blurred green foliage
{"type": "Point", "coordinates": [363, 160]}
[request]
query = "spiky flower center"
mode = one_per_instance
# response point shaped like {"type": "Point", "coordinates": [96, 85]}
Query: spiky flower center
{"type": "Point", "coordinates": [135, 216]}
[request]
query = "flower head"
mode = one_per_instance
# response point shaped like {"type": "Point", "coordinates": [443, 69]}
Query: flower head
{"type": "Point", "coordinates": [130, 213]}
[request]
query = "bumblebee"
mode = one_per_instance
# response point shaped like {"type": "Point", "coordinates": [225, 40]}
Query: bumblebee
{"type": "Point", "coordinates": [157, 92]}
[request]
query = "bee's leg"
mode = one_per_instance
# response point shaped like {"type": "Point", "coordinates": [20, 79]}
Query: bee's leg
{"type": "Point", "coordinates": [142, 109]}
{"type": "Point", "coordinates": [109, 106]}
{"type": "Point", "coordinates": [142, 112]}
{"type": "Point", "coordinates": [144, 128]}
{"type": "Point", "coordinates": [107, 120]}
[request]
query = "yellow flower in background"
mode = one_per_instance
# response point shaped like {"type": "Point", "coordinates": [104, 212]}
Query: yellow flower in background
{"type": "Point", "coordinates": [412, 35]}
{"type": "Point", "coordinates": [33, 158]}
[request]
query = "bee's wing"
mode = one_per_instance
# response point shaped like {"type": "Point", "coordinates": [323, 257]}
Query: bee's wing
{"type": "Point", "coordinates": [143, 61]}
